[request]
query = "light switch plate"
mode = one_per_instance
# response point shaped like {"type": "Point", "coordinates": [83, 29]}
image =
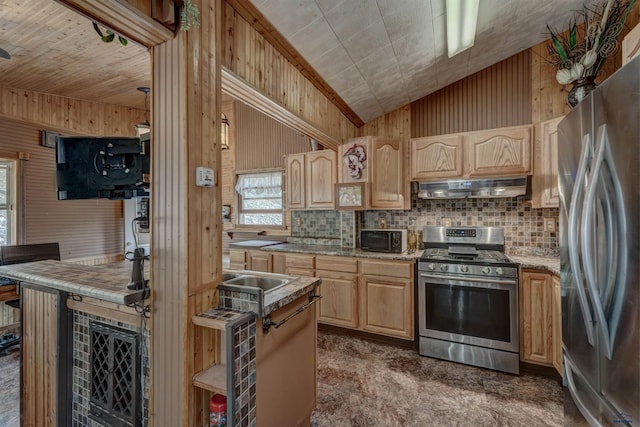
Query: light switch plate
{"type": "Point", "coordinates": [204, 177]}
{"type": "Point", "coordinates": [550, 225]}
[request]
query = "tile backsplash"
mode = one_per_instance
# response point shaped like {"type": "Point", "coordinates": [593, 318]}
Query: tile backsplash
{"type": "Point", "coordinates": [523, 226]}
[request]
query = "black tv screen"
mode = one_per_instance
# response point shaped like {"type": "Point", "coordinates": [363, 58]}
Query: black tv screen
{"type": "Point", "coordinates": [112, 168]}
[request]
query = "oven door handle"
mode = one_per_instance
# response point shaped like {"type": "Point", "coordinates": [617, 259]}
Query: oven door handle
{"type": "Point", "coordinates": [445, 280]}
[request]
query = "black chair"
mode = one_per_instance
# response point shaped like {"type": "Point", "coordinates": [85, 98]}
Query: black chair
{"type": "Point", "coordinates": [17, 254]}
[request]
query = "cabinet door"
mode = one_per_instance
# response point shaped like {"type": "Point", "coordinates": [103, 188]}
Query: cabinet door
{"type": "Point", "coordinates": [259, 261]}
{"type": "Point", "coordinates": [388, 186]}
{"type": "Point", "coordinates": [320, 178]}
{"type": "Point", "coordinates": [436, 157]}
{"type": "Point", "coordinates": [339, 302]}
{"type": "Point", "coordinates": [387, 306]}
{"type": "Point", "coordinates": [545, 179]}
{"type": "Point", "coordinates": [631, 45]}
{"type": "Point", "coordinates": [499, 152]}
{"type": "Point", "coordinates": [557, 324]}
{"type": "Point", "coordinates": [536, 323]}
{"type": "Point", "coordinates": [295, 181]}
{"type": "Point", "coordinates": [237, 259]}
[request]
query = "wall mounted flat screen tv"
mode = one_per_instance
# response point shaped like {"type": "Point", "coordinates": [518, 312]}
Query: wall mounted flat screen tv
{"type": "Point", "coordinates": [111, 168]}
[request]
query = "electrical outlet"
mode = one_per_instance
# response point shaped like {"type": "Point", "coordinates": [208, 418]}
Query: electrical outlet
{"type": "Point", "coordinates": [298, 221]}
{"type": "Point", "coordinates": [23, 156]}
{"type": "Point", "coordinates": [446, 222]}
{"type": "Point", "coordinates": [550, 225]}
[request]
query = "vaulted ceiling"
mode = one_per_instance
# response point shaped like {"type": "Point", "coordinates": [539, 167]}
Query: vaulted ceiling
{"type": "Point", "coordinates": [376, 54]}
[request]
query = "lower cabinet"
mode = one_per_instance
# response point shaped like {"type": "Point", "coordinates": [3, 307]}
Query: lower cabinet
{"type": "Point", "coordinates": [358, 293]}
{"type": "Point", "coordinates": [386, 295]}
{"type": "Point", "coordinates": [339, 290]}
{"type": "Point", "coordinates": [540, 319]}
{"type": "Point", "coordinates": [237, 259]}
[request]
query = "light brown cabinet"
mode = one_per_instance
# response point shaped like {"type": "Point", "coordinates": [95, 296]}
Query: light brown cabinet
{"type": "Point", "coordinates": [339, 290]}
{"type": "Point", "coordinates": [536, 317]}
{"type": "Point", "coordinates": [436, 157]}
{"type": "Point", "coordinates": [489, 153]}
{"type": "Point", "coordinates": [631, 45]}
{"type": "Point", "coordinates": [544, 186]}
{"type": "Point", "coordinates": [383, 171]}
{"type": "Point", "coordinates": [259, 261]}
{"type": "Point", "coordinates": [499, 152]}
{"type": "Point", "coordinates": [557, 324]}
{"type": "Point", "coordinates": [293, 264]}
{"type": "Point", "coordinates": [386, 295]}
{"type": "Point", "coordinates": [237, 259]}
{"type": "Point", "coordinates": [310, 179]}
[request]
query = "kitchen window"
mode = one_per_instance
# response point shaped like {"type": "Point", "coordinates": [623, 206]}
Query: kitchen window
{"type": "Point", "coordinates": [7, 202]}
{"type": "Point", "coordinates": [260, 199]}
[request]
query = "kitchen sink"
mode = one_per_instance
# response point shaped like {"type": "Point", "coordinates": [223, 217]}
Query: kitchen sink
{"type": "Point", "coordinates": [264, 283]}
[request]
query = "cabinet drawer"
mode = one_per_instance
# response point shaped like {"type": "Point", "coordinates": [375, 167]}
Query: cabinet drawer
{"type": "Point", "coordinates": [299, 272]}
{"type": "Point", "coordinates": [332, 263]}
{"type": "Point", "coordinates": [300, 261]}
{"type": "Point", "coordinates": [397, 269]}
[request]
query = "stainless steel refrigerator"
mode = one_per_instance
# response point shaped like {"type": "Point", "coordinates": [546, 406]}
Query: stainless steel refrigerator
{"type": "Point", "coordinates": [599, 179]}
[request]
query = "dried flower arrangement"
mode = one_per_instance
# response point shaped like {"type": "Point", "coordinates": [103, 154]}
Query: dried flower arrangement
{"type": "Point", "coordinates": [592, 37]}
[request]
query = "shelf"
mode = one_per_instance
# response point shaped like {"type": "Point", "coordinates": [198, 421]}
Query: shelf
{"type": "Point", "coordinates": [216, 318]}
{"type": "Point", "coordinates": [212, 379]}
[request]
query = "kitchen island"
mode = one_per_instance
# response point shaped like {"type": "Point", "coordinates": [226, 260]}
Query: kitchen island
{"type": "Point", "coordinates": [74, 317]}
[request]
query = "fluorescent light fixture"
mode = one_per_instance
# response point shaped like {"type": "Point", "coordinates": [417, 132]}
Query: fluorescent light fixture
{"type": "Point", "coordinates": [462, 17]}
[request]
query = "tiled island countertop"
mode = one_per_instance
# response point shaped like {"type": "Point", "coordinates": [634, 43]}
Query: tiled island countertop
{"type": "Point", "coordinates": [107, 282]}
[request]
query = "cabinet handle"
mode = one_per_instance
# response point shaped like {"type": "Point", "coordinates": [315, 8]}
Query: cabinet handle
{"type": "Point", "coordinates": [267, 322]}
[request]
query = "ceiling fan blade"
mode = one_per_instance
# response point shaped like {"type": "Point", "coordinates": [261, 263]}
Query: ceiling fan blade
{"type": "Point", "coordinates": [4, 54]}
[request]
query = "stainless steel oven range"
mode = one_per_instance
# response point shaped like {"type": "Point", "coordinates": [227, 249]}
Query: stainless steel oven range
{"type": "Point", "coordinates": [468, 298]}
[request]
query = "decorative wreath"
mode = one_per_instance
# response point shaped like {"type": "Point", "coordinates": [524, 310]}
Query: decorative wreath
{"type": "Point", "coordinates": [355, 159]}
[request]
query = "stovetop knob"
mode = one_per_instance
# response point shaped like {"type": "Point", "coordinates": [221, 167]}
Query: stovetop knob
{"type": "Point", "coordinates": [431, 266]}
{"type": "Point", "coordinates": [464, 268]}
{"type": "Point", "coordinates": [444, 267]}
{"type": "Point", "coordinates": [499, 271]}
{"type": "Point", "coordinates": [486, 270]}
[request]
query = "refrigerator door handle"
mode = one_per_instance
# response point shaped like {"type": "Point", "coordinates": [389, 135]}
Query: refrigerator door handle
{"type": "Point", "coordinates": [603, 154]}
{"type": "Point", "coordinates": [569, 369]}
{"type": "Point", "coordinates": [574, 258]}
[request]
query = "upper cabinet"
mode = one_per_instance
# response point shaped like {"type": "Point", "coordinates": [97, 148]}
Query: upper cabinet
{"type": "Point", "coordinates": [544, 186]}
{"type": "Point", "coordinates": [631, 45]}
{"type": "Point", "coordinates": [436, 157]}
{"type": "Point", "coordinates": [499, 152]}
{"type": "Point", "coordinates": [310, 179]}
{"type": "Point", "coordinates": [489, 153]}
{"type": "Point", "coordinates": [378, 163]}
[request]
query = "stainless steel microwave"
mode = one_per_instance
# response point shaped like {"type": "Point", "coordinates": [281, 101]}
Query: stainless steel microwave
{"type": "Point", "coordinates": [385, 240]}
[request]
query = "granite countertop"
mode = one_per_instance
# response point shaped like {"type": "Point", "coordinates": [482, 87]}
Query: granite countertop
{"type": "Point", "coordinates": [552, 264]}
{"type": "Point", "coordinates": [107, 282]}
{"type": "Point", "coordinates": [340, 251]}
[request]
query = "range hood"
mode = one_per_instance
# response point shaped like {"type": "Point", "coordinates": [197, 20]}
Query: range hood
{"type": "Point", "coordinates": [473, 188]}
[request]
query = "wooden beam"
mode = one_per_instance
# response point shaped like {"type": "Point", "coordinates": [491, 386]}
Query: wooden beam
{"type": "Point", "coordinates": [123, 19]}
{"type": "Point", "coordinates": [258, 21]}
{"type": "Point", "coordinates": [241, 90]}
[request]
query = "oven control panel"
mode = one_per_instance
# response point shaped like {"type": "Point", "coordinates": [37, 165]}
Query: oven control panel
{"type": "Point", "coordinates": [460, 232]}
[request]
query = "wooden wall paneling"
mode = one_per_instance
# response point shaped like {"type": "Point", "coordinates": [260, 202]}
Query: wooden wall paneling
{"type": "Point", "coordinates": [84, 228]}
{"type": "Point", "coordinates": [490, 98]}
{"type": "Point", "coordinates": [246, 53]}
{"type": "Point", "coordinates": [63, 114]}
{"type": "Point", "coordinates": [262, 141]}
{"type": "Point", "coordinates": [186, 220]}
{"type": "Point", "coordinates": [39, 357]}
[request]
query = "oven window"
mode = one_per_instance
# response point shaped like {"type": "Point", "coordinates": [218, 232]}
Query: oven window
{"type": "Point", "coordinates": [463, 310]}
